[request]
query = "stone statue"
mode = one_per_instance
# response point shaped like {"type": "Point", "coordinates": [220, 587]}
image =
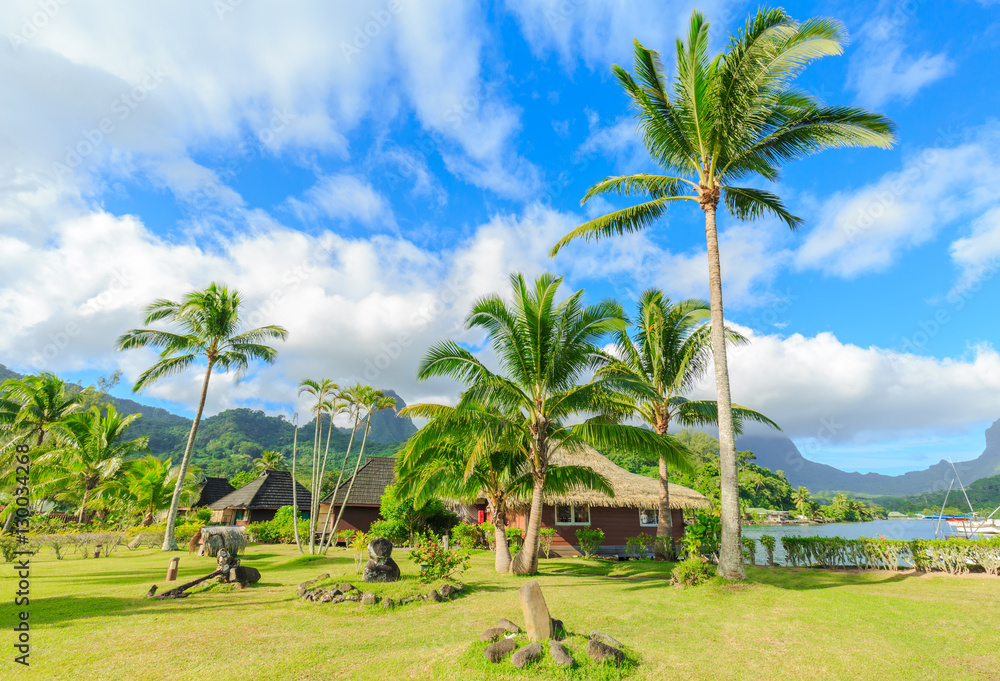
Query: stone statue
{"type": "Point", "coordinates": [380, 566]}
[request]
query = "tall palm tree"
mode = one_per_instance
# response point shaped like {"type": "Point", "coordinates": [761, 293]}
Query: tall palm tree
{"type": "Point", "coordinates": [320, 390]}
{"type": "Point", "coordinates": [270, 460]}
{"type": "Point", "coordinates": [350, 400]}
{"type": "Point", "coordinates": [211, 325]}
{"type": "Point", "coordinates": [669, 351]}
{"type": "Point", "coordinates": [724, 120]}
{"type": "Point", "coordinates": [545, 351]}
{"type": "Point", "coordinates": [443, 460]}
{"type": "Point", "coordinates": [372, 401]}
{"type": "Point", "coordinates": [150, 482]}
{"type": "Point", "coordinates": [89, 450]}
{"type": "Point", "coordinates": [801, 499]}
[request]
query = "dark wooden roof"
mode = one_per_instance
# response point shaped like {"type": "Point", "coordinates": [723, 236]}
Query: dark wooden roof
{"type": "Point", "coordinates": [373, 477]}
{"type": "Point", "coordinates": [212, 490]}
{"type": "Point", "coordinates": [273, 489]}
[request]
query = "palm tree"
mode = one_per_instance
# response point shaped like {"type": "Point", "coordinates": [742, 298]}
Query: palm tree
{"type": "Point", "coordinates": [372, 401]}
{"type": "Point", "coordinates": [443, 460]}
{"type": "Point", "coordinates": [801, 498]}
{"type": "Point", "coordinates": [29, 407]}
{"type": "Point", "coordinates": [669, 351]}
{"type": "Point", "coordinates": [89, 450]}
{"type": "Point", "coordinates": [269, 460]}
{"type": "Point", "coordinates": [320, 390]}
{"type": "Point", "coordinates": [212, 328]}
{"type": "Point", "coordinates": [150, 483]}
{"type": "Point", "coordinates": [725, 120]}
{"type": "Point", "coordinates": [350, 401]}
{"type": "Point", "coordinates": [544, 350]}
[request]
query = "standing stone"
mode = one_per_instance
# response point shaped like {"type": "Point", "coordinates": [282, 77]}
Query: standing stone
{"type": "Point", "coordinates": [498, 651]}
{"type": "Point", "coordinates": [559, 654]}
{"type": "Point", "coordinates": [596, 635]}
{"type": "Point", "coordinates": [380, 566]}
{"type": "Point", "coordinates": [537, 620]}
{"type": "Point", "coordinates": [599, 652]}
{"type": "Point", "coordinates": [529, 653]}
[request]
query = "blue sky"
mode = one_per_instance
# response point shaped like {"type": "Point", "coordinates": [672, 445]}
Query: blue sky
{"type": "Point", "coordinates": [363, 174]}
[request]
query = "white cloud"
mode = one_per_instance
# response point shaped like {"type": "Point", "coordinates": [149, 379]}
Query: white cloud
{"type": "Point", "coordinates": [344, 197]}
{"type": "Point", "coordinates": [866, 229]}
{"type": "Point", "coordinates": [882, 70]}
{"type": "Point", "coordinates": [820, 387]}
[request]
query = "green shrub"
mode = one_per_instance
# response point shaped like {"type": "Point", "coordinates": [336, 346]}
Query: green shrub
{"type": "Point", "coordinates": [410, 520]}
{"type": "Point", "coordinates": [750, 550]}
{"type": "Point", "coordinates": [546, 535]}
{"type": "Point", "coordinates": [200, 516]}
{"type": "Point", "coordinates": [393, 530]}
{"type": "Point", "coordinates": [277, 530]}
{"type": "Point", "coordinates": [637, 547]}
{"type": "Point", "coordinates": [8, 549]}
{"type": "Point", "coordinates": [515, 538]}
{"type": "Point", "coordinates": [768, 542]}
{"type": "Point", "coordinates": [692, 571]}
{"type": "Point", "coordinates": [590, 541]}
{"type": "Point", "coordinates": [436, 563]}
{"type": "Point", "coordinates": [359, 543]}
{"type": "Point", "coordinates": [703, 536]}
{"type": "Point", "coordinates": [467, 535]}
{"type": "Point", "coordinates": [490, 534]}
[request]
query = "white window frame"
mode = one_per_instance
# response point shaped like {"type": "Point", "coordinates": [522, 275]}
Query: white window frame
{"type": "Point", "coordinates": [653, 524]}
{"type": "Point", "coordinates": [573, 507]}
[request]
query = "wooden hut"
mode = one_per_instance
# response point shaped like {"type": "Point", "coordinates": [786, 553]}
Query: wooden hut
{"type": "Point", "coordinates": [366, 496]}
{"type": "Point", "coordinates": [631, 512]}
{"type": "Point", "coordinates": [208, 540]}
{"type": "Point", "coordinates": [259, 500]}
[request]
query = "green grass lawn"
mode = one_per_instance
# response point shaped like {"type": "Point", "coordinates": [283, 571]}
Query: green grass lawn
{"type": "Point", "coordinates": [90, 621]}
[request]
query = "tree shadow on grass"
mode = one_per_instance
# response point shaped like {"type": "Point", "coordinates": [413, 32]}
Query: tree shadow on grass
{"type": "Point", "coordinates": [808, 579]}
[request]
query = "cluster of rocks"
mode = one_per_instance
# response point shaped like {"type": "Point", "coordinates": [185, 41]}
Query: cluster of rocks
{"type": "Point", "coordinates": [348, 593]}
{"type": "Point", "coordinates": [541, 627]}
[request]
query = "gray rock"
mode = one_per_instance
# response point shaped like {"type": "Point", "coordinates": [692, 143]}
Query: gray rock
{"type": "Point", "coordinates": [433, 595]}
{"type": "Point", "coordinates": [509, 626]}
{"type": "Point", "coordinates": [368, 598]}
{"type": "Point", "coordinates": [379, 548]}
{"type": "Point", "coordinates": [388, 603]}
{"type": "Point", "coordinates": [529, 653]}
{"type": "Point", "coordinates": [347, 586]}
{"type": "Point", "coordinates": [537, 620]}
{"type": "Point", "coordinates": [494, 634]}
{"type": "Point", "coordinates": [352, 598]}
{"type": "Point", "coordinates": [495, 652]}
{"type": "Point", "coordinates": [559, 654]}
{"type": "Point", "coordinates": [381, 570]}
{"type": "Point", "coordinates": [245, 575]}
{"type": "Point", "coordinates": [325, 575]}
{"type": "Point", "coordinates": [447, 590]}
{"type": "Point", "coordinates": [599, 652]}
{"type": "Point", "coordinates": [338, 599]}
{"type": "Point", "coordinates": [596, 635]}
{"type": "Point", "coordinates": [326, 597]}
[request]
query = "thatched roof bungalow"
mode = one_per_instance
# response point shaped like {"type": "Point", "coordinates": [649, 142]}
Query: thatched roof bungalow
{"type": "Point", "coordinates": [259, 500]}
{"type": "Point", "coordinates": [372, 479]}
{"type": "Point", "coordinates": [631, 512]}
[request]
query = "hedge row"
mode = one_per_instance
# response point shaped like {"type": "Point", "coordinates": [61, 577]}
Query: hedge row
{"type": "Point", "coordinates": [954, 556]}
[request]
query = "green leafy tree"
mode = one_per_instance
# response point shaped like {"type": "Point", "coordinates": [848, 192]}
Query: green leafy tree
{"type": "Point", "coordinates": [802, 498]}
{"type": "Point", "coordinates": [717, 123]}
{"type": "Point", "coordinates": [465, 453]}
{"type": "Point", "coordinates": [211, 327]}
{"type": "Point", "coordinates": [88, 451]}
{"type": "Point", "coordinates": [269, 460]}
{"type": "Point", "coordinates": [668, 351]}
{"type": "Point", "coordinates": [545, 350]}
{"type": "Point", "coordinates": [150, 482]}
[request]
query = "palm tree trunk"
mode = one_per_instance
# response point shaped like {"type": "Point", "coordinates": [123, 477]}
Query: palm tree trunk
{"type": "Point", "coordinates": [731, 550]}
{"type": "Point", "coordinates": [83, 504]}
{"type": "Point", "coordinates": [8, 522]}
{"type": "Point", "coordinates": [340, 478]}
{"type": "Point", "coordinates": [319, 489]}
{"type": "Point", "coordinates": [663, 548]}
{"type": "Point", "coordinates": [526, 560]}
{"type": "Point", "coordinates": [169, 540]}
{"type": "Point", "coordinates": [295, 500]}
{"type": "Point", "coordinates": [317, 442]}
{"type": "Point", "coordinates": [354, 476]}
{"type": "Point", "coordinates": [502, 561]}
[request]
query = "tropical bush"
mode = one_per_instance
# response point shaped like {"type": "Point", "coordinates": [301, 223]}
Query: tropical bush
{"type": "Point", "coordinates": [703, 536]}
{"type": "Point", "coordinates": [750, 550]}
{"type": "Point", "coordinates": [692, 571]}
{"type": "Point", "coordinates": [768, 542]}
{"type": "Point", "coordinates": [590, 541]}
{"type": "Point", "coordinates": [8, 549]}
{"type": "Point", "coordinates": [546, 535]}
{"type": "Point", "coordinates": [490, 534]}
{"type": "Point", "coordinates": [277, 530]}
{"type": "Point", "coordinates": [359, 544]}
{"type": "Point", "coordinates": [515, 537]}
{"type": "Point", "coordinates": [945, 555]}
{"type": "Point", "coordinates": [393, 530]}
{"type": "Point", "coordinates": [436, 563]}
{"type": "Point", "coordinates": [467, 535]}
{"type": "Point", "coordinates": [636, 548]}
{"type": "Point", "coordinates": [408, 520]}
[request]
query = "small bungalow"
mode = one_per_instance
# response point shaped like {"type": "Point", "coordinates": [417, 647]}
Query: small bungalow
{"type": "Point", "coordinates": [259, 500]}
{"type": "Point", "coordinates": [366, 496]}
{"type": "Point", "coordinates": [632, 511]}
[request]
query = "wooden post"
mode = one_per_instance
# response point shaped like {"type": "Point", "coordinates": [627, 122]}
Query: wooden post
{"type": "Point", "coordinates": [172, 569]}
{"type": "Point", "coordinates": [444, 538]}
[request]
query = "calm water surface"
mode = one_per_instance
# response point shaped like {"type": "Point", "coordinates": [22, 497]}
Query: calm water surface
{"type": "Point", "coordinates": [890, 529]}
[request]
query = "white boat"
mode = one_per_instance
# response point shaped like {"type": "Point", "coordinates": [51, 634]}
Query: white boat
{"type": "Point", "coordinates": [974, 526]}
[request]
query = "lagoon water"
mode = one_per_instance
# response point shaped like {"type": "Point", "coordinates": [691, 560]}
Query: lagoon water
{"type": "Point", "coordinates": [910, 528]}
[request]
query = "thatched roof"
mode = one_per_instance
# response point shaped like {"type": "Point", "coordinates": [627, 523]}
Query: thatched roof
{"type": "Point", "coordinates": [631, 490]}
{"type": "Point", "coordinates": [373, 477]}
{"type": "Point", "coordinates": [272, 490]}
